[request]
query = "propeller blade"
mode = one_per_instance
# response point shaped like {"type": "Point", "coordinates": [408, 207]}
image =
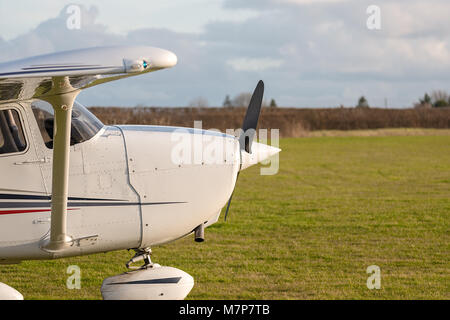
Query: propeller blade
{"type": "Point", "coordinates": [249, 127]}
{"type": "Point", "coordinates": [251, 118]}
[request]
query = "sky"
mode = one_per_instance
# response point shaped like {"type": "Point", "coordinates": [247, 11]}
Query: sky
{"type": "Point", "coordinates": [310, 53]}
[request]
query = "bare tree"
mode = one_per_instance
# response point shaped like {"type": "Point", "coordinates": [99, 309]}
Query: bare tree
{"type": "Point", "coordinates": [425, 102]}
{"type": "Point", "coordinates": [439, 98]}
{"type": "Point", "coordinates": [437, 95]}
{"type": "Point", "coordinates": [242, 99]}
{"type": "Point", "coordinates": [199, 102]}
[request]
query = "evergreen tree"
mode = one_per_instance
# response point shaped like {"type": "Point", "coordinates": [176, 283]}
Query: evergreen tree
{"type": "Point", "coordinates": [426, 99]}
{"type": "Point", "coordinates": [273, 104]}
{"type": "Point", "coordinates": [227, 103]}
{"type": "Point", "coordinates": [362, 103]}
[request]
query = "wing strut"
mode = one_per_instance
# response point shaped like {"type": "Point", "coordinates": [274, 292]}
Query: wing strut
{"type": "Point", "coordinates": [62, 102]}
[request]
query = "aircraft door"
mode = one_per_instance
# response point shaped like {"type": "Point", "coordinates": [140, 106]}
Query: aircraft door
{"type": "Point", "coordinates": [19, 163]}
{"type": "Point", "coordinates": [21, 182]}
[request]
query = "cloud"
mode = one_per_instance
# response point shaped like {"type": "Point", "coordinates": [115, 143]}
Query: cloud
{"type": "Point", "coordinates": [307, 2]}
{"type": "Point", "coordinates": [310, 54]}
{"type": "Point", "coordinates": [275, 4]}
{"type": "Point", "coordinates": [53, 35]}
{"type": "Point", "coordinates": [254, 64]}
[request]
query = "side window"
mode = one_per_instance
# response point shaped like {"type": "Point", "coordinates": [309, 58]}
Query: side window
{"type": "Point", "coordinates": [12, 138]}
{"type": "Point", "coordinates": [83, 127]}
{"type": "Point", "coordinates": [43, 112]}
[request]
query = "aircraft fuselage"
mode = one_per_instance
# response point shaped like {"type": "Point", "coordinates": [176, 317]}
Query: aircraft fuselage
{"type": "Point", "coordinates": [130, 187]}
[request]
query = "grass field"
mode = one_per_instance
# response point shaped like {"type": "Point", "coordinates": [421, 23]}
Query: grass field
{"type": "Point", "coordinates": [337, 206]}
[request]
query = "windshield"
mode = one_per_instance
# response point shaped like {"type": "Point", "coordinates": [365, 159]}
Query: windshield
{"type": "Point", "coordinates": [84, 124]}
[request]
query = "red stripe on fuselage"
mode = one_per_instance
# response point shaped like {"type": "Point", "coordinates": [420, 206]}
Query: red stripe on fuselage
{"type": "Point", "coordinates": [29, 211]}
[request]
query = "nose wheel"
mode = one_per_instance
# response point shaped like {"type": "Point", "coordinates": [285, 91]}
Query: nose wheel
{"type": "Point", "coordinates": [149, 281]}
{"type": "Point", "coordinates": [141, 255]}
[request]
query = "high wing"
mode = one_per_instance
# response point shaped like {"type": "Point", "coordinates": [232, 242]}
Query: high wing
{"type": "Point", "coordinates": [32, 78]}
{"type": "Point", "coordinates": [58, 78]}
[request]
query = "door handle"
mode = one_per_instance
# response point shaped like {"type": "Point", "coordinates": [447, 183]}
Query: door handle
{"type": "Point", "coordinates": [34, 161]}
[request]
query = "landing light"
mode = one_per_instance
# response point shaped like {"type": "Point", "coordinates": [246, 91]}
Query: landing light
{"type": "Point", "coordinates": [135, 65]}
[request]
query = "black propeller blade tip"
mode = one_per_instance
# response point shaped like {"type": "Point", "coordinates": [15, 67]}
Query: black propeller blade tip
{"type": "Point", "coordinates": [251, 117]}
{"type": "Point", "coordinates": [249, 127]}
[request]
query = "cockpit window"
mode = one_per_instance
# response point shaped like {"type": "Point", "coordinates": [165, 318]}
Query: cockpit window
{"type": "Point", "coordinates": [84, 124]}
{"type": "Point", "coordinates": [11, 133]}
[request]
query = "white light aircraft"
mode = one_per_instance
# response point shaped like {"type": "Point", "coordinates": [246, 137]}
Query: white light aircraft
{"type": "Point", "coordinates": [71, 186]}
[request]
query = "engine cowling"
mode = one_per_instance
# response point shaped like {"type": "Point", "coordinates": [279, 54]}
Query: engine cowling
{"type": "Point", "coordinates": [154, 283]}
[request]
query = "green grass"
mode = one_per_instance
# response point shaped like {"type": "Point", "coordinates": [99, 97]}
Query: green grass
{"type": "Point", "coordinates": [337, 206]}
